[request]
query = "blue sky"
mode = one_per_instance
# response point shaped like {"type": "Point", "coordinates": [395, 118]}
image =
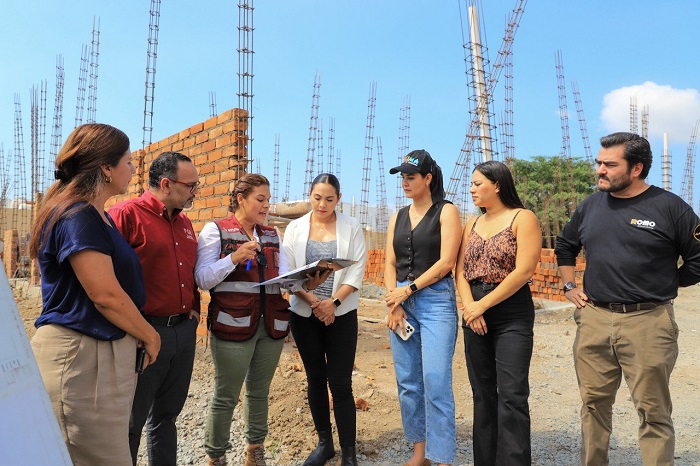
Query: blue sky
{"type": "Point", "coordinates": [612, 49]}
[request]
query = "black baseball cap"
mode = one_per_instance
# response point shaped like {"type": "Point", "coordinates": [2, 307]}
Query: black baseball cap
{"type": "Point", "coordinates": [414, 162]}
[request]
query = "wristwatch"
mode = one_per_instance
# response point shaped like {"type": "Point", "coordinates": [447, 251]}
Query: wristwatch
{"type": "Point", "coordinates": [413, 287]}
{"type": "Point", "coordinates": [337, 302]}
{"type": "Point", "coordinates": [568, 286]}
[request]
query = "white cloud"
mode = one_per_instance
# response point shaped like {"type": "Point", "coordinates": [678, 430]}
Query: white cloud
{"type": "Point", "coordinates": [672, 111]}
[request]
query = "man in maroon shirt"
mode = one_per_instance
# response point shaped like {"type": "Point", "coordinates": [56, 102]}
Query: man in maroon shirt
{"type": "Point", "coordinates": [164, 240]}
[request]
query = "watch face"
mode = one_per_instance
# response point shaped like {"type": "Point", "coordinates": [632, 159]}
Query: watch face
{"type": "Point", "coordinates": [568, 286]}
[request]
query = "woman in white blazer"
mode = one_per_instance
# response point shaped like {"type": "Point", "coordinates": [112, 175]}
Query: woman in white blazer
{"type": "Point", "coordinates": [324, 320]}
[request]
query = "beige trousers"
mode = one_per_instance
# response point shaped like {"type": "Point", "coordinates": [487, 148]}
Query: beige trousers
{"type": "Point", "coordinates": [91, 384]}
{"type": "Point", "coordinates": [642, 346]}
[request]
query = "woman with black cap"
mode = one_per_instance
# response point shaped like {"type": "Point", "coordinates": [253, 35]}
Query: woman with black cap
{"type": "Point", "coordinates": [422, 246]}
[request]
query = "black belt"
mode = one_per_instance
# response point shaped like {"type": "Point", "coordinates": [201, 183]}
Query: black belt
{"type": "Point", "coordinates": [485, 286]}
{"type": "Point", "coordinates": [624, 308]}
{"type": "Point", "coordinates": [167, 321]}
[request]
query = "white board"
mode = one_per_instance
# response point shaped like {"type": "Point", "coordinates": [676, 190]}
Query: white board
{"type": "Point", "coordinates": [29, 432]}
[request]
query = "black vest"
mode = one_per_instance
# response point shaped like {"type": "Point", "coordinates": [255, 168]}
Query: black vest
{"type": "Point", "coordinates": [416, 251]}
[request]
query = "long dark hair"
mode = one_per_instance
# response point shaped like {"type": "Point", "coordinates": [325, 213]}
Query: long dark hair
{"type": "Point", "coordinates": [437, 190]}
{"type": "Point", "coordinates": [498, 173]}
{"type": "Point", "coordinates": [79, 175]}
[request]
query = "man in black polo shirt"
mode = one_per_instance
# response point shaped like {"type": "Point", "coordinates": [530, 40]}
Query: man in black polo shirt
{"type": "Point", "coordinates": [632, 234]}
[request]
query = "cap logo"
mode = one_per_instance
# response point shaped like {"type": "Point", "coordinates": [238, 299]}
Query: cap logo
{"type": "Point", "coordinates": [411, 160]}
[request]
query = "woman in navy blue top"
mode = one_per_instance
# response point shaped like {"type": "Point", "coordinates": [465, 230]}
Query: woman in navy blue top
{"type": "Point", "coordinates": [92, 289]}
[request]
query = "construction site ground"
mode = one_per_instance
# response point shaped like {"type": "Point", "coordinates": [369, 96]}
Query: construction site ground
{"type": "Point", "coordinates": [554, 399]}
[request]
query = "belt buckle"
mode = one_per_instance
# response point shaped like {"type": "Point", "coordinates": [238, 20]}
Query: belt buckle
{"type": "Point", "coordinates": [171, 319]}
{"type": "Point", "coordinates": [617, 307]}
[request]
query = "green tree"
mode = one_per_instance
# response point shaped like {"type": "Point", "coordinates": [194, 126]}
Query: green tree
{"type": "Point", "coordinates": [552, 187]}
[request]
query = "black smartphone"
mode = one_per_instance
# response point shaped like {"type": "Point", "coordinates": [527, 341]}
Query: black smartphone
{"type": "Point", "coordinates": [140, 359]}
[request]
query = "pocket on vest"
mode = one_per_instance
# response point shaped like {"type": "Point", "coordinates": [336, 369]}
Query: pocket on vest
{"type": "Point", "coordinates": [226, 318]}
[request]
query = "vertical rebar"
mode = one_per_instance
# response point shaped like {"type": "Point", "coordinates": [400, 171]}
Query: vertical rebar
{"type": "Point", "coordinates": [82, 79]}
{"type": "Point", "coordinates": [245, 67]}
{"type": "Point", "coordinates": [313, 130]}
{"type": "Point", "coordinates": [151, 56]}
{"type": "Point", "coordinates": [57, 128]}
{"type": "Point", "coordinates": [369, 143]}
{"type": "Point", "coordinates": [94, 59]}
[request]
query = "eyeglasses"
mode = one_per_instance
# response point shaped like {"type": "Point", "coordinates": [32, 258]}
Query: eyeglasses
{"type": "Point", "coordinates": [193, 186]}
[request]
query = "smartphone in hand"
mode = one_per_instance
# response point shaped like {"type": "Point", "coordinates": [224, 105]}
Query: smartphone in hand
{"type": "Point", "coordinates": [408, 328]}
{"type": "Point", "coordinates": [140, 359]}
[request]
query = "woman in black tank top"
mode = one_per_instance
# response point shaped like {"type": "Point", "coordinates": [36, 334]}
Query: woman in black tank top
{"type": "Point", "coordinates": [422, 244]}
{"type": "Point", "coordinates": [499, 254]}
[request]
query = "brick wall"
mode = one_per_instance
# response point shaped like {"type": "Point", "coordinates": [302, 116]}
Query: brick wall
{"type": "Point", "coordinates": [546, 282]}
{"type": "Point", "coordinates": [217, 147]}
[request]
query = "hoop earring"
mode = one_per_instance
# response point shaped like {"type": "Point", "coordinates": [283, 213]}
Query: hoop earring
{"type": "Point", "coordinates": [108, 179]}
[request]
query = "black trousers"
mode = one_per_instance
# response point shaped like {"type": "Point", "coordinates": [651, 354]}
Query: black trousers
{"type": "Point", "coordinates": [328, 353]}
{"type": "Point", "coordinates": [498, 364]}
{"type": "Point", "coordinates": [161, 392]}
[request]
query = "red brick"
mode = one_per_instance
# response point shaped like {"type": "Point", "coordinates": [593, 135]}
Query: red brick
{"type": "Point", "coordinates": [177, 146]}
{"type": "Point", "coordinates": [227, 175]}
{"type": "Point", "coordinates": [222, 117]}
{"type": "Point", "coordinates": [202, 137]}
{"type": "Point", "coordinates": [208, 146]}
{"type": "Point", "coordinates": [210, 123]}
{"type": "Point", "coordinates": [214, 202]}
{"type": "Point", "coordinates": [232, 126]}
{"type": "Point", "coordinates": [221, 212]}
{"type": "Point", "coordinates": [216, 132]}
{"type": "Point", "coordinates": [206, 191]}
{"type": "Point", "coordinates": [221, 189]}
{"type": "Point", "coordinates": [189, 142]}
{"type": "Point", "coordinates": [222, 141]}
{"type": "Point", "coordinates": [220, 164]}
{"type": "Point", "coordinates": [214, 155]}
{"type": "Point", "coordinates": [199, 127]}
{"type": "Point", "coordinates": [206, 169]}
{"type": "Point", "coordinates": [212, 179]}
{"type": "Point", "coordinates": [183, 134]}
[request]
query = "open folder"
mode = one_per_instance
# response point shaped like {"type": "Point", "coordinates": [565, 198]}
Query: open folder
{"type": "Point", "coordinates": [297, 276]}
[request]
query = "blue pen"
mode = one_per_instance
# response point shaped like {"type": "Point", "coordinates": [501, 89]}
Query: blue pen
{"type": "Point", "coordinates": [250, 261]}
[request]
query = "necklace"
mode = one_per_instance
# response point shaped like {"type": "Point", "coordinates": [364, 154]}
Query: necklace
{"type": "Point", "coordinates": [320, 225]}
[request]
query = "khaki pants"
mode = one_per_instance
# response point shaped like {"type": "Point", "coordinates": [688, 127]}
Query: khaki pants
{"type": "Point", "coordinates": [91, 385]}
{"type": "Point", "coordinates": [642, 346]}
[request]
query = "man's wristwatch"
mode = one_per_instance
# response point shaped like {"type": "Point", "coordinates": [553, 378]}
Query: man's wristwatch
{"type": "Point", "coordinates": [337, 302]}
{"type": "Point", "coordinates": [568, 286]}
{"type": "Point", "coordinates": [413, 287]}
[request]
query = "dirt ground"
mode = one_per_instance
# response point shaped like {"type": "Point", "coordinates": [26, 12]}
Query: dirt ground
{"type": "Point", "coordinates": [554, 400]}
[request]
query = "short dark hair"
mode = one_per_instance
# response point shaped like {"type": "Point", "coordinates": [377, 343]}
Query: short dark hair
{"type": "Point", "coordinates": [165, 166]}
{"type": "Point", "coordinates": [245, 186]}
{"type": "Point", "coordinates": [328, 178]}
{"type": "Point", "coordinates": [637, 150]}
{"type": "Point", "coordinates": [498, 173]}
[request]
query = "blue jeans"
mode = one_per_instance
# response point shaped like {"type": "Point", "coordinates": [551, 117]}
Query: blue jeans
{"type": "Point", "coordinates": [423, 367]}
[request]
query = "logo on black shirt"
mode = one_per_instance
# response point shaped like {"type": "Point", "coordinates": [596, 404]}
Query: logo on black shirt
{"type": "Point", "coordinates": [696, 233]}
{"type": "Point", "coordinates": [643, 223]}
